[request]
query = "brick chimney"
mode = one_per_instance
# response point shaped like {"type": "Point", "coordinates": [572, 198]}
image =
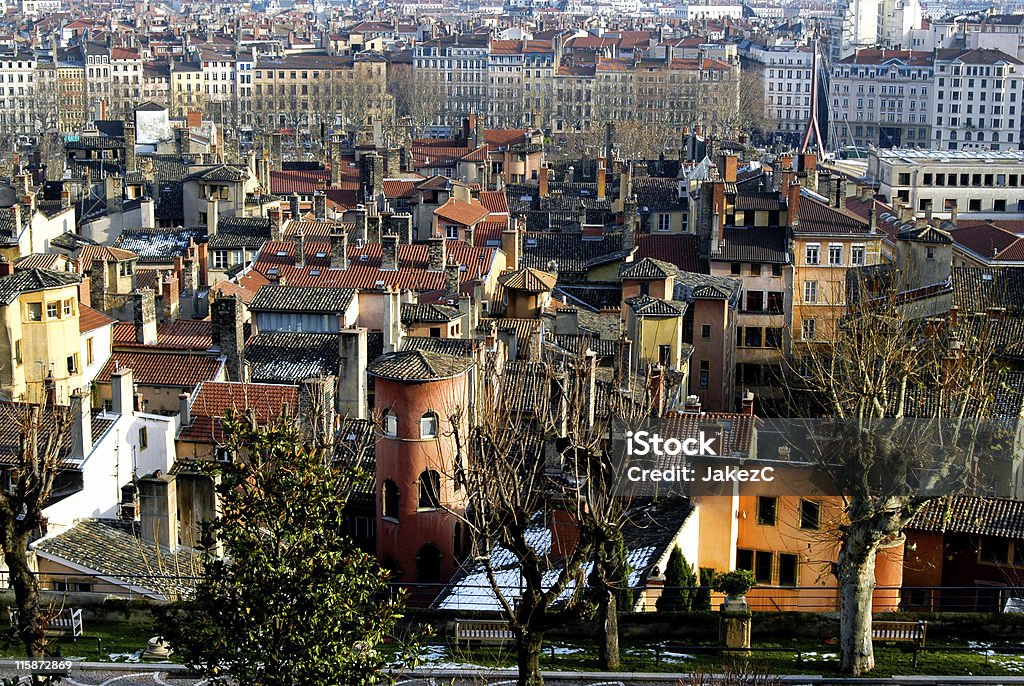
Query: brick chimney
{"type": "Point", "coordinates": [130, 161]}
{"type": "Point", "coordinates": [339, 249]}
{"type": "Point", "coordinates": [169, 297]}
{"type": "Point", "coordinates": [228, 334]}
{"type": "Point", "coordinates": [274, 215]}
{"type": "Point", "coordinates": [602, 180]}
{"type": "Point", "coordinates": [728, 165]}
{"type": "Point", "coordinates": [389, 252]}
{"type": "Point", "coordinates": [6, 267]}
{"type": "Point", "coordinates": [542, 182]}
{"type": "Point", "coordinates": [452, 273]}
{"type": "Point", "coordinates": [793, 202]}
{"type": "Point", "coordinates": [294, 207]}
{"type": "Point", "coordinates": [144, 305]}
{"type": "Point", "coordinates": [436, 249]}
{"type": "Point", "coordinates": [320, 205]}
{"type": "Point", "coordinates": [300, 249]}
{"type": "Point", "coordinates": [747, 404]}
{"type": "Point", "coordinates": [335, 154]}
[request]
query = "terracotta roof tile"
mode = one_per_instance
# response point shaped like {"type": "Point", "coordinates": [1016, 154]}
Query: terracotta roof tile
{"type": "Point", "coordinates": [163, 369]}
{"type": "Point", "coordinates": [90, 319]}
{"type": "Point", "coordinates": [463, 213]}
{"type": "Point", "coordinates": [214, 398]}
{"type": "Point", "coordinates": [998, 517]}
{"type": "Point", "coordinates": [181, 334]}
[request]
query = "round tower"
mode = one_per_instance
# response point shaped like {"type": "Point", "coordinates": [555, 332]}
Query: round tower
{"type": "Point", "coordinates": [421, 403]}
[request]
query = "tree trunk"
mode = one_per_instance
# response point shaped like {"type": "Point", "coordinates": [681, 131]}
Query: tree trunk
{"type": "Point", "coordinates": [856, 577]}
{"type": "Point", "coordinates": [528, 649]}
{"type": "Point", "coordinates": [26, 595]}
{"type": "Point", "coordinates": [609, 619]}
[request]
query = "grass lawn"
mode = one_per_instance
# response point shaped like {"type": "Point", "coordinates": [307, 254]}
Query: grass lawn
{"type": "Point", "coordinates": [120, 642]}
{"type": "Point", "coordinates": [817, 659]}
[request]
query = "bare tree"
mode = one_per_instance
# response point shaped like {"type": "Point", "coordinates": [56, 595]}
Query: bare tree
{"type": "Point", "coordinates": [417, 97]}
{"type": "Point", "coordinates": [42, 431]}
{"type": "Point", "coordinates": [553, 459]}
{"type": "Point", "coordinates": [901, 404]}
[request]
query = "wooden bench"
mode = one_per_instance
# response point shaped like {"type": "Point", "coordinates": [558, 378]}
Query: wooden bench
{"type": "Point", "coordinates": [483, 631]}
{"type": "Point", "coordinates": [900, 632]}
{"type": "Point", "coordinates": [67, 622]}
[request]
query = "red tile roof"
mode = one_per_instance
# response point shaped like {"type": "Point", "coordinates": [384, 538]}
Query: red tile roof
{"type": "Point", "coordinates": [399, 188]}
{"type": "Point", "coordinates": [181, 334]}
{"type": "Point", "coordinates": [90, 319]}
{"type": "Point", "coordinates": [463, 213]}
{"type": "Point", "coordinates": [214, 398]}
{"type": "Point", "coordinates": [990, 242]}
{"type": "Point", "coordinates": [494, 201]}
{"type": "Point", "coordinates": [163, 369]}
{"type": "Point", "coordinates": [497, 138]}
{"type": "Point", "coordinates": [91, 253]}
{"type": "Point", "coordinates": [364, 270]}
{"type": "Point", "coordinates": [304, 182]}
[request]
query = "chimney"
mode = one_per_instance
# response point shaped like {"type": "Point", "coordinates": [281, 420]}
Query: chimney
{"type": "Point", "coordinates": [158, 502]}
{"type": "Point", "coordinates": [692, 404]}
{"type": "Point", "coordinates": [872, 219]}
{"type": "Point", "coordinates": [184, 410]}
{"type": "Point", "coordinates": [393, 162]}
{"type": "Point", "coordinates": [542, 182]}
{"type": "Point", "coordinates": [122, 391]}
{"type": "Point", "coordinates": [229, 334]}
{"type": "Point", "coordinates": [81, 430]}
{"type": "Point", "coordinates": [145, 316]}
{"type": "Point", "coordinates": [371, 174]}
{"type": "Point", "coordinates": [320, 205]}
{"type": "Point", "coordinates": [392, 320]}
{"type": "Point", "coordinates": [194, 119]}
{"type": "Point", "coordinates": [793, 202]}
{"type": "Point", "coordinates": [630, 220]}
{"type": "Point", "coordinates": [335, 163]}
{"type": "Point", "coordinates": [478, 130]}
{"type": "Point", "coordinates": [840, 185]}
{"type": "Point", "coordinates": [339, 249]}
{"type": "Point", "coordinates": [928, 211]}
{"type": "Point", "coordinates": [212, 216]}
{"type": "Point", "coordinates": [293, 206]}
{"type": "Point", "coordinates": [6, 266]}
{"type": "Point", "coordinates": [747, 407]}
{"type": "Point", "coordinates": [356, 216]}
{"type": "Point", "coordinates": [570, 174]}
{"type": "Point", "coordinates": [452, 274]}
{"type": "Point", "coordinates": [510, 245]}
{"type": "Point", "coordinates": [808, 161]}
{"type": "Point", "coordinates": [389, 253]}
{"type": "Point", "coordinates": [601, 180]}
{"type": "Point", "coordinates": [275, 154]}
{"type": "Point", "coordinates": [65, 199]}
{"type": "Point", "coordinates": [130, 162]}
{"type": "Point", "coordinates": [728, 168]}
{"type": "Point", "coordinates": [352, 360]}
{"type": "Point", "coordinates": [147, 210]}
{"type": "Point", "coordinates": [300, 249]}
{"type": "Point", "coordinates": [98, 284]}
{"type": "Point", "coordinates": [169, 295]}
{"type": "Point", "coordinates": [274, 216]}
{"type": "Point", "coordinates": [401, 225]}
{"type": "Point", "coordinates": [952, 209]}
{"type": "Point", "coordinates": [436, 250]}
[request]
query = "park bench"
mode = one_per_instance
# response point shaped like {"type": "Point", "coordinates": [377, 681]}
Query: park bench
{"type": "Point", "coordinates": [67, 622]}
{"type": "Point", "coordinates": [901, 632]}
{"type": "Point", "coordinates": [483, 631]}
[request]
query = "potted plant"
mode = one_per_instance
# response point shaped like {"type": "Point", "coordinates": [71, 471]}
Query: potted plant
{"type": "Point", "coordinates": [735, 585]}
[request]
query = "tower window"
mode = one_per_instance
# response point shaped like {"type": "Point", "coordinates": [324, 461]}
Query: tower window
{"type": "Point", "coordinates": [390, 500]}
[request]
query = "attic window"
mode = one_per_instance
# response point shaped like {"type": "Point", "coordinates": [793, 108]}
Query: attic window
{"type": "Point", "coordinates": [531, 242]}
{"type": "Point", "coordinates": [364, 258]}
{"type": "Point", "coordinates": [314, 272]}
{"type": "Point", "coordinates": [271, 272]}
{"type": "Point", "coordinates": [321, 254]}
{"type": "Point", "coordinates": [282, 253]}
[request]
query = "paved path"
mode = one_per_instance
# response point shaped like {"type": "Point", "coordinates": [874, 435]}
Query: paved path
{"type": "Point", "coordinates": [102, 674]}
